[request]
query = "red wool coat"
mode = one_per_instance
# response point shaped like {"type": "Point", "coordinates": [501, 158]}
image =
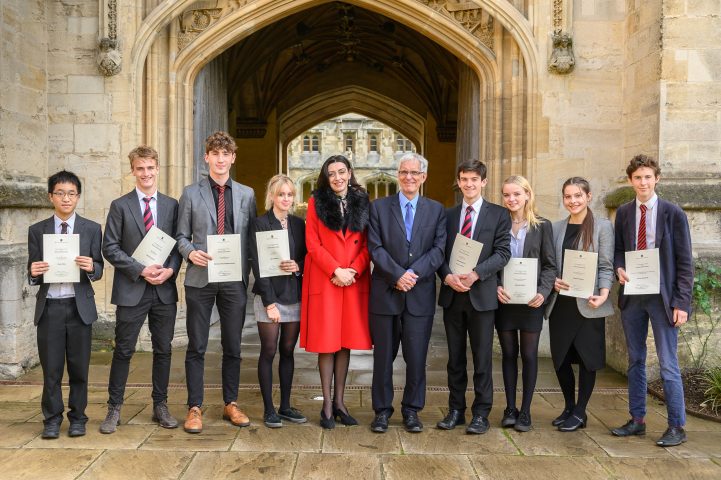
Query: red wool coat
{"type": "Point", "coordinates": [334, 317]}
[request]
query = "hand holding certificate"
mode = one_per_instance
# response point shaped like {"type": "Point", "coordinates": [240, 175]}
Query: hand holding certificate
{"type": "Point", "coordinates": [225, 265]}
{"type": "Point", "coordinates": [465, 254]}
{"type": "Point", "coordinates": [644, 272]}
{"type": "Point", "coordinates": [520, 279]}
{"type": "Point", "coordinates": [273, 248]}
{"type": "Point", "coordinates": [579, 272]}
{"type": "Point", "coordinates": [60, 251]}
{"type": "Point", "coordinates": [155, 247]}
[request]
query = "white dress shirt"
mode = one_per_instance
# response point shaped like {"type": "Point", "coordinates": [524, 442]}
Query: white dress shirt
{"type": "Point", "coordinates": [651, 214]}
{"type": "Point", "coordinates": [474, 214]}
{"type": "Point", "coordinates": [62, 290]}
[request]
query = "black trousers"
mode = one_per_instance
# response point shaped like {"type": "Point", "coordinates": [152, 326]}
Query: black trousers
{"type": "Point", "coordinates": [128, 322]}
{"type": "Point", "coordinates": [461, 320]}
{"type": "Point", "coordinates": [230, 297]}
{"type": "Point", "coordinates": [387, 333]}
{"type": "Point", "coordinates": [63, 335]}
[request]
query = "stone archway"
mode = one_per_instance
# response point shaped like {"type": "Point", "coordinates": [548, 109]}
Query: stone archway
{"type": "Point", "coordinates": [449, 30]}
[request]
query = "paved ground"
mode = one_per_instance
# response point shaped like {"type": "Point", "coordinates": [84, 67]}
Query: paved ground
{"type": "Point", "coordinates": [140, 449]}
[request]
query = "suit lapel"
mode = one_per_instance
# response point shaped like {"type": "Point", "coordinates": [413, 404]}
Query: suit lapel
{"type": "Point", "coordinates": [132, 202]}
{"type": "Point", "coordinates": [49, 226]}
{"type": "Point", "coordinates": [559, 242]}
{"type": "Point", "coordinates": [660, 222]}
{"type": "Point", "coordinates": [207, 196]}
{"type": "Point", "coordinates": [237, 204]}
{"type": "Point", "coordinates": [631, 226]}
{"type": "Point", "coordinates": [420, 207]}
{"type": "Point", "coordinates": [531, 234]}
{"type": "Point", "coordinates": [481, 218]}
{"type": "Point", "coordinates": [159, 210]}
{"type": "Point", "coordinates": [396, 212]}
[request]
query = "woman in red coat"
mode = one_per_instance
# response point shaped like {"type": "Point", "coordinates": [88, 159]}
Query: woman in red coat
{"type": "Point", "coordinates": [336, 279]}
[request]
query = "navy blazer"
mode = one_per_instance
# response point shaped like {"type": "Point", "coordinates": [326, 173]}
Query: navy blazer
{"type": "Point", "coordinates": [673, 240]}
{"type": "Point", "coordinates": [90, 246]}
{"type": "Point", "coordinates": [493, 228]}
{"type": "Point", "coordinates": [393, 255]}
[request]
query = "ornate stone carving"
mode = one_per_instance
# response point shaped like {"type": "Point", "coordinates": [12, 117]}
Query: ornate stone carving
{"type": "Point", "coordinates": [469, 16]}
{"type": "Point", "coordinates": [109, 58]}
{"type": "Point", "coordinates": [193, 22]}
{"type": "Point", "coordinates": [557, 15]}
{"type": "Point", "coordinates": [562, 59]}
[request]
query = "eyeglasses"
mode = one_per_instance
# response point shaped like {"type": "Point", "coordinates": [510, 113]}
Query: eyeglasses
{"type": "Point", "coordinates": [409, 173]}
{"type": "Point", "coordinates": [61, 194]}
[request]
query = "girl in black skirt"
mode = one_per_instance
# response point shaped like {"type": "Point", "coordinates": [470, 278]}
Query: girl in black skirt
{"type": "Point", "coordinates": [519, 325]}
{"type": "Point", "coordinates": [577, 325]}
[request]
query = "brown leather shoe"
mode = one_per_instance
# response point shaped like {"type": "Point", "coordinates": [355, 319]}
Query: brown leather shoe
{"type": "Point", "coordinates": [194, 420]}
{"type": "Point", "coordinates": [235, 415]}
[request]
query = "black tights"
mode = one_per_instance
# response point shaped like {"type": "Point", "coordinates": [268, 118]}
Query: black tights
{"type": "Point", "coordinates": [333, 371]}
{"type": "Point", "coordinates": [269, 333]}
{"type": "Point", "coordinates": [529, 356]}
{"type": "Point", "coordinates": [586, 382]}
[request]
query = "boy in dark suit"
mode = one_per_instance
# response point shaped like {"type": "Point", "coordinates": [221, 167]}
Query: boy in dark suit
{"type": "Point", "coordinates": [64, 312]}
{"type": "Point", "coordinates": [139, 290]}
{"type": "Point", "coordinates": [649, 222]}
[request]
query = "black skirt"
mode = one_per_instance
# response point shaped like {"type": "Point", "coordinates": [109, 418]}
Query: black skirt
{"type": "Point", "coordinates": [519, 317]}
{"type": "Point", "coordinates": [568, 327]}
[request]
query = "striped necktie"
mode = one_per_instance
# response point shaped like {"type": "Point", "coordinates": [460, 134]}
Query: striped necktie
{"type": "Point", "coordinates": [148, 214]}
{"type": "Point", "coordinates": [221, 209]}
{"type": "Point", "coordinates": [467, 222]}
{"type": "Point", "coordinates": [641, 243]}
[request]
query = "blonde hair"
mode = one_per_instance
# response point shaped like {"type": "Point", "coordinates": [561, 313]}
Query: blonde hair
{"type": "Point", "coordinates": [274, 186]}
{"type": "Point", "coordinates": [143, 151]}
{"type": "Point", "coordinates": [529, 209]}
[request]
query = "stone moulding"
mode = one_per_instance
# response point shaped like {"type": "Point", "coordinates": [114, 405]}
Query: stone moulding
{"type": "Point", "coordinates": [19, 194]}
{"type": "Point", "coordinates": [688, 197]}
{"type": "Point", "coordinates": [562, 60]}
{"type": "Point", "coordinates": [109, 58]}
{"type": "Point", "coordinates": [469, 16]}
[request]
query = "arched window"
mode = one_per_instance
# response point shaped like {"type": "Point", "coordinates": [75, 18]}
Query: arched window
{"type": "Point", "coordinates": [315, 143]}
{"type": "Point", "coordinates": [349, 142]}
{"type": "Point", "coordinates": [403, 144]}
{"type": "Point", "coordinates": [306, 143]}
{"type": "Point", "coordinates": [373, 143]}
{"type": "Point", "coordinates": [307, 187]}
{"type": "Point", "coordinates": [381, 185]}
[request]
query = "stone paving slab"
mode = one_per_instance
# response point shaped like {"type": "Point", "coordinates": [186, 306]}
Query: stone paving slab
{"type": "Point", "coordinates": [699, 445]}
{"type": "Point", "coordinates": [237, 465]}
{"type": "Point", "coordinates": [553, 442]}
{"type": "Point", "coordinates": [326, 466]}
{"type": "Point", "coordinates": [500, 467]}
{"type": "Point", "coordinates": [637, 446]}
{"type": "Point", "coordinates": [360, 439]}
{"type": "Point", "coordinates": [18, 411]}
{"type": "Point", "coordinates": [137, 465]}
{"type": "Point", "coordinates": [661, 469]}
{"type": "Point", "coordinates": [457, 441]}
{"type": "Point", "coordinates": [129, 437]}
{"type": "Point", "coordinates": [16, 435]}
{"type": "Point", "coordinates": [21, 393]}
{"type": "Point", "coordinates": [289, 438]}
{"type": "Point", "coordinates": [213, 438]}
{"type": "Point", "coordinates": [615, 418]}
{"type": "Point", "coordinates": [415, 467]}
{"type": "Point", "coordinates": [32, 464]}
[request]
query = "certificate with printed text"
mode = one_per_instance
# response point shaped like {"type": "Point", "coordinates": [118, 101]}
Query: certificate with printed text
{"type": "Point", "coordinates": [155, 247]}
{"type": "Point", "coordinates": [465, 254]}
{"type": "Point", "coordinates": [520, 279]}
{"type": "Point", "coordinates": [226, 265]}
{"type": "Point", "coordinates": [273, 248]}
{"type": "Point", "coordinates": [579, 272]}
{"type": "Point", "coordinates": [644, 272]}
{"type": "Point", "coordinates": [59, 251]}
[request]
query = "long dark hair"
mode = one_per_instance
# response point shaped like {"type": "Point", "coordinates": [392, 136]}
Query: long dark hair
{"type": "Point", "coordinates": [585, 236]}
{"type": "Point", "coordinates": [323, 182]}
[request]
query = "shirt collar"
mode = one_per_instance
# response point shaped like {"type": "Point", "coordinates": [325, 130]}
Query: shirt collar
{"type": "Point", "coordinates": [141, 195]}
{"type": "Point", "coordinates": [404, 200]}
{"type": "Point", "coordinates": [476, 205]}
{"type": "Point", "coordinates": [213, 183]}
{"type": "Point", "coordinates": [650, 203]}
{"type": "Point", "coordinates": [70, 221]}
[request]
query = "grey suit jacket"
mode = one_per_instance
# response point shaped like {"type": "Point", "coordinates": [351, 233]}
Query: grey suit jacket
{"type": "Point", "coordinates": [602, 244]}
{"type": "Point", "coordinates": [198, 218]}
{"type": "Point", "coordinates": [124, 230]}
{"type": "Point", "coordinates": [91, 238]}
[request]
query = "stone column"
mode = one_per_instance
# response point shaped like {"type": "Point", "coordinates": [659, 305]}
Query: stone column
{"type": "Point", "coordinates": [469, 103]}
{"type": "Point", "coordinates": [210, 104]}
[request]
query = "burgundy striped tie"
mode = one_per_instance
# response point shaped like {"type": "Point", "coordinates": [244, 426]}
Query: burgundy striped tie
{"type": "Point", "coordinates": [641, 244]}
{"type": "Point", "coordinates": [221, 209]}
{"type": "Point", "coordinates": [148, 214]}
{"type": "Point", "coordinates": [467, 222]}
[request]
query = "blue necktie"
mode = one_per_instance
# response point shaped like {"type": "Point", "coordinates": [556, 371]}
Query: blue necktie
{"type": "Point", "coordinates": [409, 221]}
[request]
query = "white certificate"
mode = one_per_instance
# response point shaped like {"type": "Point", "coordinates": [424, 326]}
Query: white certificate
{"type": "Point", "coordinates": [155, 247]}
{"type": "Point", "coordinates": [520, 279]}
{"type": "Point", "coordinates": [465, 254]}
{"type": "Point", "coordinates": [644, 272]}
{"type": "Point", "coordinates": [579, 272]}
{"type": "Point", "coordinates": [59, 251]}
{"type": "Point", "coordinates": [273, 247]}
{"type": "Point", "coordinates": [225, 265]}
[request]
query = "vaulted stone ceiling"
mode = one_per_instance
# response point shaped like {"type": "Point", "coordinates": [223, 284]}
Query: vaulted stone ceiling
{"type": "Point", "coordinates": [335, 45]}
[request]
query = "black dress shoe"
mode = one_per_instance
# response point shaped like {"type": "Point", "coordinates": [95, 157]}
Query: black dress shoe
{"type": "Point", "coordinates": [567, 412]}
{"type": "Point", "coordinates": [671, 437]}
{"type": "Point", "coordinates": [454, 417]}
{"type": "Point", "coordinates": [344, 417]}
{"type": "Point", "coordinates": [76, 430]}
{"type": "Point", "coordinates": [510, 415]}
{"type": "Point", "coordinates": [478, 425]}
{"type": "Point", "coordinates": [412, 423]}
{"type": "Point", "coordinates": [380, 423]}
{"type": "Point", "coordinates": [51, 430]}
{"type": "Point", "coordinates": [630, 428]}
{"type": "Point", "coordinates": [573, 423]}
{"type": "Point", "coordinates": [523, 422]}
{"type": "Point", "coordinates": [326, 422]}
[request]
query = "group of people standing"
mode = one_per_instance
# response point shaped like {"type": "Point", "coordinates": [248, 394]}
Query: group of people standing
{"type": "Point", "coordinates": [362, 275]}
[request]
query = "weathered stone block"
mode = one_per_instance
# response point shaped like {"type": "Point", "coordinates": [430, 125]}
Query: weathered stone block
{"type": "Point", "coordinates": [97, 138]}
{"type": "Point", "coordinates": [84, 84]}
{"type": "Point", "coordinates": [60, 137]}
{"type": "Point", "coordinates": [85, 26]}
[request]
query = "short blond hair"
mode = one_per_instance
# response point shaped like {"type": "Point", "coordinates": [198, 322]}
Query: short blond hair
{"type": "Point", "coordinates": [143, 151]}
{"type": "Point", "coordinates": [274, 186]}
{"type": "Point", "coordinates": [529, 210]}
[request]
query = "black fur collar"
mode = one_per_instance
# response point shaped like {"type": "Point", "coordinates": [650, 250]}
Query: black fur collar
{"type": "Point", "coordinates": [328, 211]}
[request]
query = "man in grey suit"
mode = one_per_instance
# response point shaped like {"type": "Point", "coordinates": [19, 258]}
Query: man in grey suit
{"type": "Point", "coordinates": [406, 238]}
{"type": "Point", "coordinates": [215, 205]}
{"type": "Point", "coordinates": [139, 290]}
{"type": "Point", "coordinates": [64, 312]}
